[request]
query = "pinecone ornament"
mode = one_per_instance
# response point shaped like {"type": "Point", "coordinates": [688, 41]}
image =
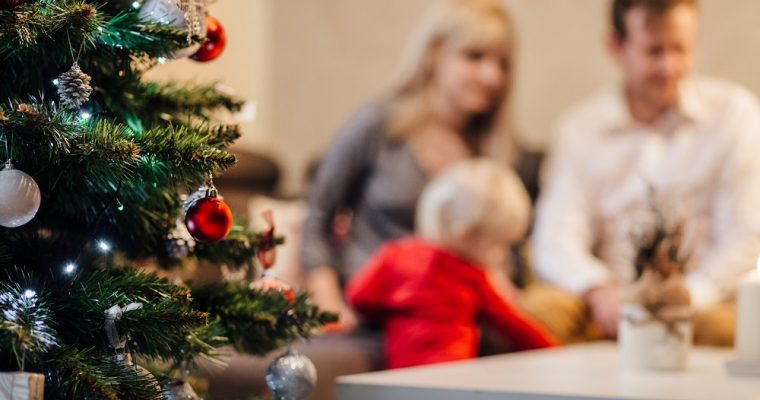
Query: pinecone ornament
{"type": "Point", "coordinates": [74, 87]}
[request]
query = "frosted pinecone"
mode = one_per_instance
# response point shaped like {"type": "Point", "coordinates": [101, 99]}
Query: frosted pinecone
{"type": "Point", "coordinates": [74, 88]}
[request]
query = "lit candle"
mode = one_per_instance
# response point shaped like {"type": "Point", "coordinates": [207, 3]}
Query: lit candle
{"type": "Point", "coordinates": [748, 317]}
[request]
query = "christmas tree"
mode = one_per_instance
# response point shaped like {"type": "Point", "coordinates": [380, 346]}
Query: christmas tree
{"type": "Point", "coordinates": [100, 166]}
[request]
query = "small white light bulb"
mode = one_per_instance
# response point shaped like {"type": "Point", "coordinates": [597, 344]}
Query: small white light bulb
{"type": "Point", "coordinates": [69, 268]}
{"type": "Point", "coordinates": [104, 246]}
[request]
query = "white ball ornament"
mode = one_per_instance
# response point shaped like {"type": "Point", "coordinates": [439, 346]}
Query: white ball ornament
{"type": "Point", "coordinates": [19, 197]}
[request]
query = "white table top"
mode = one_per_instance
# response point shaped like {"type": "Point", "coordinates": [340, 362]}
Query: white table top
{"type": "Point", "coordinates": [587, 371]}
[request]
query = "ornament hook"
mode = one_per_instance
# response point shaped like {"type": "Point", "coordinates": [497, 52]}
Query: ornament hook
{"type": "Point", "coordinates": [8, 164]}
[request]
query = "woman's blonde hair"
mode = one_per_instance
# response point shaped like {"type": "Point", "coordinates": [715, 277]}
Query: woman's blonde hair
{"type": "Point", "coordinates": [460, 25]}
{"type": "Point", "coordinates": [477, 195]}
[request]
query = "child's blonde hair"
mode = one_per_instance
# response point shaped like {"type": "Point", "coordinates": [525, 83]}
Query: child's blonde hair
{"type": "Point", "coordinates": [477, 195]}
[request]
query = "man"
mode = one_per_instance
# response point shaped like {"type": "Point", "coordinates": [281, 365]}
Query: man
{"type": "Point", "coordinates": [665, 137]}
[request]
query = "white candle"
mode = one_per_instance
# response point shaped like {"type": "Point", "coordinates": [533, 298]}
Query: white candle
{"type": "Point", "coordinates": [748, 317]}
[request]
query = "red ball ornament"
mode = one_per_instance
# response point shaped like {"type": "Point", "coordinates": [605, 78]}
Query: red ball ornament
{"type": "Point", "coordinates": [208, 219]}
{"type": "Point", "coordinates": [212, 47]}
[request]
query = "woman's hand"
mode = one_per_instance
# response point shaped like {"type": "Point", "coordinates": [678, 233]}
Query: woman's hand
{"type": "Point", "coordinates": [326, 294]}
{"type": "Point", "coordinates": [347, 322]}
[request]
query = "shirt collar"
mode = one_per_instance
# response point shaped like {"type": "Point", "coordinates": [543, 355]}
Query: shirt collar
{"type": "Point", "coordinates": [690, 107]}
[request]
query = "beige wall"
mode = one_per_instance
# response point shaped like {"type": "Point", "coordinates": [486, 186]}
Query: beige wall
{"type": "Point", "coordinates": [244, 66]}
{"type": "Point", "coordinates": [309, 63]}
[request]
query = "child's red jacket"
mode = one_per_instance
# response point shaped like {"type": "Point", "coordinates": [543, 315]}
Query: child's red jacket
{"type": "Point", "coordinates": [429, 301]}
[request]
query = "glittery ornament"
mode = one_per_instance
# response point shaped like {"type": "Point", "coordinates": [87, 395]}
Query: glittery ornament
{"type": "Point", "coordinates": [291, 376]}
{"type": "Point", "coordinates": [74, 87]}
{"type": "Point", "coordinates": [19, 197]}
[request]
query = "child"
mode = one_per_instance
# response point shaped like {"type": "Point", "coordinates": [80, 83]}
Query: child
{"type": "Point", "coordinates": [430, 290]}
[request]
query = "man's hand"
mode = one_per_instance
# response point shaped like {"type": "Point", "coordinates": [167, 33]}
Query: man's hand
{"type": "Point", "coordinates": [604, 302]}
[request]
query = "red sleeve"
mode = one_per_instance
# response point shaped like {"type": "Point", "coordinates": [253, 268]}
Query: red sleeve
{"type": "Point", "coordinates": [520, 328]}
{"type": "Point", "coordinates": [367, 290]}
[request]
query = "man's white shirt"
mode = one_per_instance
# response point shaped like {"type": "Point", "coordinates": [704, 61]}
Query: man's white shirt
{"type": "Point", "coordinates": [606, 171]}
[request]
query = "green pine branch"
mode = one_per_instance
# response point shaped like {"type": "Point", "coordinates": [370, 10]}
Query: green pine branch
{"type": "Point", "coordinates": [28, 28]}
{"type": "Point", "coordinates": [126, 32]}
{"type": "Point", "coordinates": [25, 320]}
{"type": "Point", "coordinates": [81, 313]}
{"type": "Point", "coordinates": [53, 25]}
{"type": "Point", "coordinates": [85, 170]}
{"type": "Point", "coordinates": [149, 336]}
{"type": "Point", "coordinates": [83, 374]}
{"type": "Point", "coordinates": [182, 151]}
{"type": "Point", "coordinates": [224, 135]}
{"type": "Point", "coordinates": [201, 344]}
{"type": "Point", "coordinates": [114, 49]}
{"type": "Point", "coordinates": [119, 176]}
{"type": "Point", "coordinates": [259, 322]}
{"type": "Point", "coordinates": [238, 249]}
{"type": "Point", "coordinates": [187, 99]}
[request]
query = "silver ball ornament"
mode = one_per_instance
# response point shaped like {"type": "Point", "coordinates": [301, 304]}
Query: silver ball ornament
{"type": "Point", "coordinates": [291, 376]}
{"type": "Point", "coordinates": [19, 197]}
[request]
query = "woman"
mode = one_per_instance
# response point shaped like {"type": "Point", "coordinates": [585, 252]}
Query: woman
{"type": "Point", "coordinates": [449, 103]}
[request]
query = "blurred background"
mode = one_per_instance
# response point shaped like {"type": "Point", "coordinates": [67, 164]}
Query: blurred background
{"type": "Point", "coordinates": [308, 64]}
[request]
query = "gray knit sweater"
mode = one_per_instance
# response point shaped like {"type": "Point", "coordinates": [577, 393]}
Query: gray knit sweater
{"type": "Point", "coordinates": [375, 177]}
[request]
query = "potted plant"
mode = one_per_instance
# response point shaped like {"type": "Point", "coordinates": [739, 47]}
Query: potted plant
{"type": "Point", "coordinates": [655, 326]}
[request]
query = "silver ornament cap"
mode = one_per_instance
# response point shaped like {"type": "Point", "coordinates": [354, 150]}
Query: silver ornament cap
{"type": "Point", "coordinates": [19, 197]}
{"type": "Point", "coordinates": [291, 376]}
